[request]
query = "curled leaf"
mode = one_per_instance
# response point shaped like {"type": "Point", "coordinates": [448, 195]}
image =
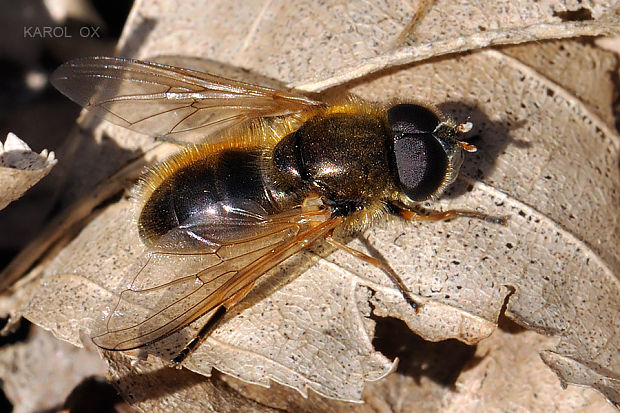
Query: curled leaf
{"type": "Point", "coordinates": [20, 168]}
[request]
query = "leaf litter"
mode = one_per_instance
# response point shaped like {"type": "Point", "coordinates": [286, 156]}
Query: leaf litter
{"type": "Point", "coordinates": [546, 159]}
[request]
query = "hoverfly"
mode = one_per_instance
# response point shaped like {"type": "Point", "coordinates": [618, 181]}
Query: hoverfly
{"type": "Point", "coordinates": [282, 172]}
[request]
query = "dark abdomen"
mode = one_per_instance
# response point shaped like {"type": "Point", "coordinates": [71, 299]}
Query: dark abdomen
{"type": "Point", "coordinates": [210, 200]}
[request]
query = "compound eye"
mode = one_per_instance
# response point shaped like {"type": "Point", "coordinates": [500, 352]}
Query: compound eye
{"type": "Point", "coordinates": [421, 164]}
{"type": "Point", "coordinates": [410, 118]}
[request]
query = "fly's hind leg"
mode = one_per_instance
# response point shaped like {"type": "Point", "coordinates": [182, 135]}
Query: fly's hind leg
{"type": "Point", "coordinates": [398, 282]}
{"type": "Point", "coordinates": [211, 323]}
{"type": "Point", "coordinates": [201, 336]}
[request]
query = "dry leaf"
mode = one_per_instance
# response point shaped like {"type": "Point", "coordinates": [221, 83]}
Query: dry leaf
{"type": "Point", "coordinates": [510, 375]}
{"type": "Point", "coordinates": [564, 203]}
{"type": "Point", "coordinates": [314, 45]}
{"type": "Point", "coordinates": [39, 374]}
{"type": "Point", "coordinates": [20, 168]}
{"type": "Point", "coordinates": [147, 383]}
{"type": "Point", "coordinates": [502, 373]}
{"type": "Point", "coordinates": [589, 80]}
{"type": "Point", "coordinates": [545, 159]}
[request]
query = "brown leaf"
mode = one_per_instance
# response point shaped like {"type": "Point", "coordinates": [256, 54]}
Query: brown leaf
{"type": "Point", "coordinates": [321, 44]}
{"type": "Point", "coordinates": [510, 375]}
{"type": "Point", "coordinates": [148, 383]}
{"type": "Point", "coordinates": [39, 374]}
{"type": "Point", "coordinates": [503, 372]}
{"type": "Point", "coordinates": [20, 168]}
{"type": "Point", "coordinates": [589, 81]}
{"type": "Point", "coordinates": [545, 160]}
{"type": "Point", "coordinates": [559, 251]}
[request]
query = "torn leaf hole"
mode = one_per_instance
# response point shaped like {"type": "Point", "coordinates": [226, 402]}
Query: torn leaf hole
{"type": "Point", "coordinates": [441, 362]}
{"type": "Point", "coordinates": [17, 335]}
{"type": "Point", "coordinates": [93, 394]}
{"type": "Point", "coordinates": [578, 15]}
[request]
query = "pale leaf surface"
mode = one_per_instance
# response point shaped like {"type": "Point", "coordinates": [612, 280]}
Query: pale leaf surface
{"type": "Point", "coordinates": [503, 372]}
{"type": "Point", "coordinates": [152, 386]}
{"type": "Point", "coordinates": [589, 81]}
{"type": "Point", "coordinates": [39, 373]}
{"type": "Point", "coordinates": [559, 250]}
{"type": "Point", "coordinates": [21, 168]}
{"type": "Point", "coordinates": [330, 42]}
{"type": "Point", "coordinates": [515, 376]}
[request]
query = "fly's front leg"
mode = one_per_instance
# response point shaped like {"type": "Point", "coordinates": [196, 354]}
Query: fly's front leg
{"type": "Point", "coordinates": [445, 215]}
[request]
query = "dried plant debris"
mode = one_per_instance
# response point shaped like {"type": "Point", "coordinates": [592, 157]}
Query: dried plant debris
{"type": "Point", "coordinates": [20, 168]}
{"type": "Point", "coordinates": [515, 377]}
{"type": "Point", "coordinates": [153, 386]}
{"type": "Point", "coordinates": [322, 44]}
{"type": "Point", "coordinates": [40, 372]}
{"type": "Point", "coordinates": [566, 285]}
{"type": "Point", "coordinates": [547, 159]}
{"type": "Point", "coordinates": [592, 81]}
{"type": "Point", "coordinates": [462, 270]}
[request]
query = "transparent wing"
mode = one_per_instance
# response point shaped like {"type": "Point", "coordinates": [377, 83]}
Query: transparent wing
{"type": "Point", "coordinates": [166, 101]}
{"type": "Point", "coordinates": [189, 286]}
